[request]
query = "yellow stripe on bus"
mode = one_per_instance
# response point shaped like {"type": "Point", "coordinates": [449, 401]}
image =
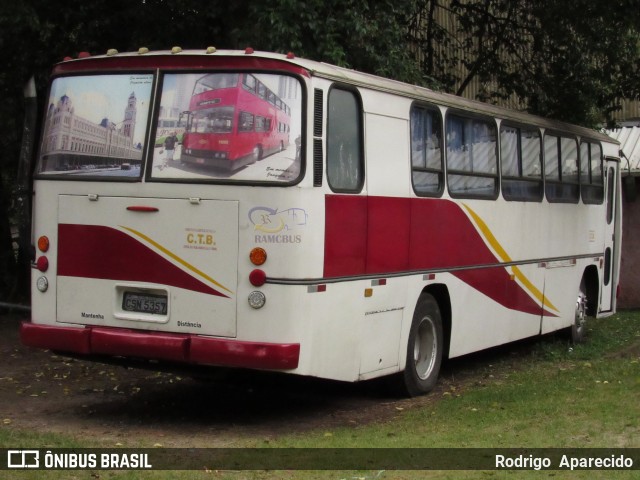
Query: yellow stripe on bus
{"type": "Point", "coordinates": [486, 232]}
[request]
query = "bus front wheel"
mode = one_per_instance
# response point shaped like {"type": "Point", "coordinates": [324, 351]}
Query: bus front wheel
{"type": "Point", "coordinates": [424, 348]}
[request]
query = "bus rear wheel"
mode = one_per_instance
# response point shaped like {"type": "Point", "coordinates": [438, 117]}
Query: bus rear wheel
{"type": "Point", "coordinates": [424, 348]}
{"type": "Point", "coordinates": [256, 154]}
{"type": "Point", "coordinates": [579, 327]}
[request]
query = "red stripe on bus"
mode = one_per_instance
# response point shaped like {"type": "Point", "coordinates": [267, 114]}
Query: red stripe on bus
{"type": "Point", "coordinates": [94, 251]}
{"type": "Point", "coordinates": [382, 235]}
{"type": "Point", "coordinates": [172, 62]}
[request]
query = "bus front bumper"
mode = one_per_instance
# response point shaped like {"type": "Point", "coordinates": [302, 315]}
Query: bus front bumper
{"type": "Point", "coordinates": [172, 347]}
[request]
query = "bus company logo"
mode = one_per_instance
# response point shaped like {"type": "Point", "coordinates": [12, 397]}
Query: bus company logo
{"type": "Point", "coordinates": [200, 239]}
{"type": "Point", "coordinates": [23, 459]}
{"type": "Point", "coordinates": [273, 225]}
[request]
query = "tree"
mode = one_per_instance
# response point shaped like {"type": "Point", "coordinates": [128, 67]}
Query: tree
{"type": "Point", "coordinates": [371, 36]}
{"type": "Point", "coordinates": [570, 60]}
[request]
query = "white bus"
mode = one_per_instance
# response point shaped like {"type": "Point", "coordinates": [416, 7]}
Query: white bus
{"type": "Point", "coordinates": [398, 227]}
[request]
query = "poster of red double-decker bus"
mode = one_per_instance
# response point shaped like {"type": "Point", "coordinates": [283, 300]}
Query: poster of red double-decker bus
{"type": "Point", "coordinates": [231, 125]}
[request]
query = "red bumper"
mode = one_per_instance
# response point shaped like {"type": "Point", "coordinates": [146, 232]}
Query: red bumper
{"type": "Point", "coordinates": [162, 346]}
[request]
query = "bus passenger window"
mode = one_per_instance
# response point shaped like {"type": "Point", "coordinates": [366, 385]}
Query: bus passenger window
{"type": "Point", "coordinates": [521, 158]}
{"type": "Point", "coordinates": [472, 159]}
{"type": "Point", "coordinates": [561, 169]}
{"type": "Point", "coordinates": [246, 122]}
{"type": "Point", "coordinates": [426, 151]}
{"type": "Point", "coordinates": [591, 177]}
{"type": "Point", "coordinates": [345, 171]}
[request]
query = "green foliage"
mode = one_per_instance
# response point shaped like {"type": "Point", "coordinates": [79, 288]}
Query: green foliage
{"type": "Point", "coordinates": [362, 34]}
{"type": "Point", "coordinates": [566, 59]}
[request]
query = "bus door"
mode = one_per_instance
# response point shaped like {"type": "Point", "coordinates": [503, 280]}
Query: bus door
{"type": "Point", "coordinates": [611, 237]}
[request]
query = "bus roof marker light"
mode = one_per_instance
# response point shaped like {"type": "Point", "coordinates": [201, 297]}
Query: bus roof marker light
{"type": "Point", "coordinates": [111, 52]}
{"type": "Point", "coordinates": [143, 50]}
{"type": "Point", "coordinates": [210, 50]}
{"type": "Point", "coordinates": [291, 55]}
{"type": "Point", "coordinates": [175, 50]}
{"type": "Point", "coordinates": [248, 51]}
{"type": "Point", "coordinates": [84, 55]}
{"type": "Point", "coordinates": [258, 256]}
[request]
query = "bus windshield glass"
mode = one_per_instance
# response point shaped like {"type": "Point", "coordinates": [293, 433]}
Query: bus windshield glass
{"type": "Point", "coordinates": [228, 127]}
{"type": "Point", "coordinates": [95, 126]}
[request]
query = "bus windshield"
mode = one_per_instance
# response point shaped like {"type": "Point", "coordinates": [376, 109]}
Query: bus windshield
{"type": "Point", "coordinates": [220, 127]}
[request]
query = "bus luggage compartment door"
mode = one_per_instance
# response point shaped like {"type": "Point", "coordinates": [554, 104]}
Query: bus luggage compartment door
{"type": "Point", "coordinates": [148, 263]}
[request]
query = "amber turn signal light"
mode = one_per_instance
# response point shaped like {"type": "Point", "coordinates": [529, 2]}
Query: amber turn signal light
{"type": "Point", "coordinates": [258, 256]}
{"type": "Point", "coordinates": [43, 244]}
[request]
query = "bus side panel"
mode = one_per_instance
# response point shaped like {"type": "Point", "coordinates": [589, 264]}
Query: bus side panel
{"type": "Point", "coordinates": [345, 246]}
{"type": "Point", "coordinates": [358, 340]}
{"type": "Point", "coordinates": [478, 322]}
{"type": "Point", "coordinates": [440, 235]}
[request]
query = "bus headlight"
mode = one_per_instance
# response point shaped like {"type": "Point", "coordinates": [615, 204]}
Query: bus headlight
{"type": "Point", "coordinates": [42, 284]}
{"type": "Point", "coordinates": [257, 300]}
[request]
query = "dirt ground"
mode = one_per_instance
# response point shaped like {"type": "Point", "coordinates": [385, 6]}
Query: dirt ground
{"type": "Point", "coordinates": [50, 393]}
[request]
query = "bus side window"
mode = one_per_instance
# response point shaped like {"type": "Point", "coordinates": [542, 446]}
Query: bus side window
{"type": "Point", "coordinates": [521, 157]}
{"type": "Point", "coordinates": [426, 151]}
{"type": "Point", "coordinates": [591, 176]}
{"type": "Point", "coordinates": [246, 122]}
{"type": "Point", "coordinates": [345, 171]}
{"type": "Point", "coordinates": [561, 169]}
{"type": "Point", "coordinates": [472, 157]}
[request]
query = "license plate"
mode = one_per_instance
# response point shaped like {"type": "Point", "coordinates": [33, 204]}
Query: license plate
{"type": "Point", "coordinates": [200, 161]}
{"type": "Point", "coordinates": [144, 303]}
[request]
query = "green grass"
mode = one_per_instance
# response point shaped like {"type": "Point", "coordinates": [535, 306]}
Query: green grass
{"type": "Point", "coordinates": [546, 394]}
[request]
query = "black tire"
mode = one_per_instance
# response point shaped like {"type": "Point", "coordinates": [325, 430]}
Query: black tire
{"type": "Point", "coordinates": [257, 153]}
{"type": "Point", "coordinates": [579, 327]}
{"type": "Point", "coordinates": [424, 348]}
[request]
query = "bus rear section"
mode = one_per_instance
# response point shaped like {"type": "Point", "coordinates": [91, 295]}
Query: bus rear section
{"type": "Point", "coordinates": [152, 278]}
{"type": "Point", "coordinates": [139, 253]}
